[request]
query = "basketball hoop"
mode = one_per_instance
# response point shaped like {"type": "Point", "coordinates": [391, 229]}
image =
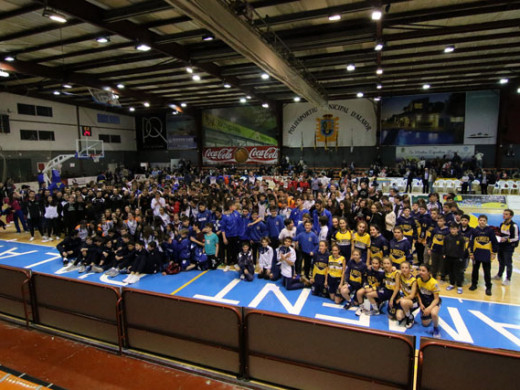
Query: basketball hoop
{"type": "Point", "coordinates": [95, 157]}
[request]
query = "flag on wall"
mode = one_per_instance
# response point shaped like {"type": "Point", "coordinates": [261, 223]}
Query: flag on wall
{"type": "Point", "coordinates": [327, 128]}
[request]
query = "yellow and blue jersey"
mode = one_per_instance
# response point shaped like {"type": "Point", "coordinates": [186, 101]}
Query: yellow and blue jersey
{"type": "Point", "coordinates": [375, 278]}
{"type": "Point", "coordinates": [356, 273]}
{"type": "Point", "coordinates": [436, 241]}
{"type": "Point", "coordinates": [400, 251]}
{"type": "Point", "coordinates": [361, 242]}
{"type": "Point", "coordinates": [427, 290]}
{"type": "Point", "coordinates": [335, 266]}
{"type": "Point", "coordinates": [409, 226]}
{"type": "Point", "coordinates": [407, 285]}
{"type": "Point", "coordinates": [320, 263]}
{"type": "Point", "coordinates": [389, 281]}
{"type": "Point", "coordinates": [483, 244]}
{"type": "Point", "coordinates": [378, 247]}
{"type": "Point", "coordinates": [344, 241]}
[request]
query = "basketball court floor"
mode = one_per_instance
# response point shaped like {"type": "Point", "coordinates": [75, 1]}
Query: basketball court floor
{"type": "Point", "coordinates": [471, 317]}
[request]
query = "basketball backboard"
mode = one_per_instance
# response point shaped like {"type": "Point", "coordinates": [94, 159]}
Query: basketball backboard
{"type": "Point", "coordinates": [89, 148]}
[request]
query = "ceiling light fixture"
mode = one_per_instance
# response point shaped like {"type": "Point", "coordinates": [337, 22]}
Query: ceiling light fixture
{"type": "Point", "coordinates": [248, 97]}
{"type": "Point", "coordinates": [379, 71]}
{"type": "Point", "coordinates": [243, 100]}
{"type": "Point", "coordinates": [297, 99]}
{"type": "Point", "coordinates": [56, 93]}
{"type": "Point", "coordinates": [54, 16]}
{"type": "Point", "coordinates": [264, 76]}
{"type": "Point", "coordinates": [449, 49]}
{"type": "Point", "coordinates": [518, 90]}
{"type": "Point", "coordinates": [184, 105]}
{"type": "Point", "coordinates": [377, 14]}
{"type": "Point", "coordinates": [379, 86]}
{"type": "Point", "coordinates": [227, 85]}
{"type": "Point", "coordinates": [68, 86]}
{"type": "Point", "coordinates": [3, 73]}
{"type": "Point", "coordinates": [351, 67]}
{"type": "Point", "coordinates": [142, 47]}
{"type": "Point", "coordinates": [426, 86]}
{"type": "Point", "coordinates": [120, 86]}
{"type": "Point", "coordinates": [195, 77]}
{"type": "Point", "coordinates": [334, 17]}
{"type": "Point", "coordinates": [146, 104]}
{"type": "Point", "coordinates": [189, 69]}
{"type": "Point", "coordinates": [503, 81]}
{"type": "Point", "coordinates": [9, 58]}
{"type": "Point", "coordinates": [360, 94]}
{"type": "Point", "coordinates": [103, 39]}
{"type": "Point", "coordinates": [131, 109]}
{"type": "Point", "coordinates": [379, 46]}
{"type": "Point", "coordinates": [265, 105]}
{"type": "Point", "coordinates": [377, 98]}
{"type": "Point", "coordinates": [208, 37]}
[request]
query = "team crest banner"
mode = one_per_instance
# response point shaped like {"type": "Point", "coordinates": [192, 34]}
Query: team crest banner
{"type": "Point", "coordinates": [342, 123]}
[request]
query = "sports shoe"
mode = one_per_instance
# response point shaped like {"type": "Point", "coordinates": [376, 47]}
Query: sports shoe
{"type": "Point", "coordinates": [242, 277]}
{"type": "Point", "coordinates": [124, 271]}
{"type": "Point", "coordinates": [450, 287]}
{"type": "Point", "coordinates": [65, 261]}
{"type": "Point", "coordinates": [31, 239]}
{"type": "Point", "coordinates": [488, 291]}
{"type": "Point", "coordinates": [133, 279]}
{"type": "Point", "coordinates": [496, 277]}
{"type": "Point", "coordinates": [237, 267]}
{"type": "Point", "coordinates": [43, 237]}
{"type": "Point", "coordinates": [459, 290]}
{"type": "Point", "coordinates": [82, 269]}
{"type": "Point", "coordinates": [473, 287]}
{"type": "Point", "coordinates": [347, 305]}
{"type": "Point", "coordinates": [226, 268]}
{"type": "Point", "coordinates": [506, 282]}
{"type": "Point", "coordinates": [373, 312]}
{"type": "Point", "coordinates": [51, 239]}
{"type": "Point", "coordinates": [88, 268]}
{"type": "Point", "coordinates": [359, 311]}
{"type": "Point", "coordinates": [125, 280]}
{"type": "Point", "coordinates": [436, 334]}
{"type": "Point", "coordinates": [409, 322]}
{"type": "Point", "coordinates": [97, 269]}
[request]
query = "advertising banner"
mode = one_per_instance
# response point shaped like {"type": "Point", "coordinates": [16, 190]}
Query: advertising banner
{"type": "Point", "coordinates": [342, 123]}
{"type": "Point", "coordinates": [434, 151]}
{"type": "Point", "coordinates": [241, 155]}
{"type": "Point", "coordinates": [151, 132]}
{"type": "Point", "coordinates": [481, 124]}
{"type": "Point", "coordinates": [239, 126]}
{"type": "Point", "coordinates": [181, 132]}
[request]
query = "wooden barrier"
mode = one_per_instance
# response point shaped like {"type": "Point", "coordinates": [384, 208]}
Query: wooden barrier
{"type": "Point", "coordinates": [203, 333]}
{"type": "Point", "coordinates": [79, 307]}
{"type": "Point", "coordinates": [15, 294]}
{"type": "Point", "coordinates": [307, 354]}
{"type": "Point", "coordinates": [452, 365]}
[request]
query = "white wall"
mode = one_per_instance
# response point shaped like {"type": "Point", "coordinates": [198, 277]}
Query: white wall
{"type": "Point", "coordinates": [64, 123]}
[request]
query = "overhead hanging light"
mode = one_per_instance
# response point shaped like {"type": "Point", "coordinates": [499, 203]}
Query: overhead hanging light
{"type": "Point", "coordinates": [265, 105]}
{"type": "Point", "coordinates": [264, 76]}
{"type": "Point", "coordinates": [227, 85]}
{"type": "Point", "coordinates": [449, 49]}
{"type": "Point", "coordinates": [146, 104]}
{"type": "Point", "coordinates": [68, 86]}
{"type": "Point", "coordinates": [379, 71]}
{"type": "Point", "coordinates": [9, 58]}
{"type": "Point", "coordinates": [189, 69]}
{"type": "Point", "coordinates": [57, 93]}
{"type": "Point", "coordinates": [379, 86]}
{"type": "Point", "coordinates": [377, 14]}
{"type": "Point", "coordinates": [120, 86]}
{"type": "Point", "coordinates": [377, 98]}
{"type": "Point", "coordinates": [142, 47]}
{"type": "Point", "coordinates": [379, 46]}
{"type": "Point", "coordinates": [503, 81]}
{"type": "Point", "coordinates": [335, 17]}
{"type": "Point", "coordinates": [208, 37]}
{"type": "Point", "coordinates": [131, 109]}
{"type": "Point", "coordinates": [360, 94]}
{"type": "Point", "coordinates": [54, 16]}
{"type": "Point", "coordinates": [351, 67]}
{"type": "Point", "coordinates": [426, 86]}
{"type": "Point", "coordinates": [243, 100]}
{"type": "Point", "coordinates": [297, 99]}
{"type": "Point", "coordinates": [195, 77]}
{"type": "Point", "coordinates": [184, 105]}
{"type": "Point", "coordinates": [103, 39]}
{"type": "Point", "coordinates": [3, 73]}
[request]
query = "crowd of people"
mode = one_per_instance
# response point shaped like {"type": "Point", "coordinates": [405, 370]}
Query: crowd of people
{"type": "Point", "coordinates": [344, 239]}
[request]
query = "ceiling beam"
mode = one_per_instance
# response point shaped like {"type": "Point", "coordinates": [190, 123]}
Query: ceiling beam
{"type": "Point", "coordinates": [219, 19]}
{"type": "Point", "coordinates": [20, 11]}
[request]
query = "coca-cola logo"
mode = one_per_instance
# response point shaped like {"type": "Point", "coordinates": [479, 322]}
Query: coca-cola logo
{"type": "Point", "coordinates": [270, 153]}
{"type": "Point", "coordinates": [219, 154]}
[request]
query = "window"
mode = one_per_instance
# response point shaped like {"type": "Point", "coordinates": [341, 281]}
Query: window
{"type": "Point", "coordinates": [44, 111]}
{"type": "Point", "coordinates": [29, 109]}
{"type": "Point", "coordinates": [4, 124]}
{"type": "Point", "coordinates": [110, 138]}
{"type": "Point", "coordinates": [28, 135]}
{"type": "Point", "coordinates": [36, 135]}
{"type": "Point", "coordinates": [46, 135]}
{"type": "Point", "coordinates": [26, 109]}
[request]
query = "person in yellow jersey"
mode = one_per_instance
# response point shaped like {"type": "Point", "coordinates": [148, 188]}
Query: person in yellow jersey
{"type": "Point", "coordinates": [343, 238]}
{"type": "Point", "coordinates": [361, 241]}
{"type": "Point", "coordinates": [335, 274]}
{"type": "Point", "coordinates": [408, 302]}
{"type": "Point", "coordinates": [429, 300]}
{"type": "Point", "coordinates": [386, 291]}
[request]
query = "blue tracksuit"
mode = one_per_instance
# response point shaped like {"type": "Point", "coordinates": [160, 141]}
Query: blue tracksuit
{"type": "Point", "coordinates": [257, 231]}
{"type": "Point", "coordinates": [274, 226]}
{"type": "Point", "coordinates": [297, 215]}
{"type": "Point", "coordinates": [203, 218]}
{"type": "Point", "coordinates": [316, 216]}
{"type": "Point", "coordinates": [308, 242]}
{"type": "Point", "coordinates": [230, 224]}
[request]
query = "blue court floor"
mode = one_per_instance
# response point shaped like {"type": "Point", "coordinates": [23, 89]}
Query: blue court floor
{"type": "Point", "coordinates": [481, 323]}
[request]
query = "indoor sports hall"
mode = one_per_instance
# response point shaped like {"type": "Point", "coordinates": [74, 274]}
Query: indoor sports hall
{"type": "Point", "coordinates": [259, 194]}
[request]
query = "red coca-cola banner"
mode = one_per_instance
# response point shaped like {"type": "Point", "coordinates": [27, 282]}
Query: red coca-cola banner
{"type": "Point", "coordinates": [241, 155]}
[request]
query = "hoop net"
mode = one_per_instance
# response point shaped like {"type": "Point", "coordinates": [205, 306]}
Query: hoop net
{"type": "Point", "coordinates": [95, 157]}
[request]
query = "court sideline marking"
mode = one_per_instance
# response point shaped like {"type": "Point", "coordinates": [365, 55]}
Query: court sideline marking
{"type": "Point", "coordinates": [189, 282]}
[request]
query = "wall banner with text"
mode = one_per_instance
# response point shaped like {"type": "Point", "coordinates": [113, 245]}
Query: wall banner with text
{"type": "Point", "coordinates": [342, 123]}
{"type": "Point", "coordinates": [241, 155]}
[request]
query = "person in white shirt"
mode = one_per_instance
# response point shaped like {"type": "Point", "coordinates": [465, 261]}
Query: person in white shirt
{"type": "Point", "coordinates": [157, 202]}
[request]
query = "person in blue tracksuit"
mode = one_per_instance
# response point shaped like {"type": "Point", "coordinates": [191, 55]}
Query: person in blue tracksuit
{"type": "Point", "coordinates": [298, 212]}
{"type": "Point", "coordinates": [308, 244]}
{"type": "Point", "coordinates": [257, 230]}
{"type": "Point", "coordinates": [204, 216]}
{"type": "Point", "coordinates": [275, 224]}
{"type": "Point", "coordinates": [483, 247]}
{"type": "Point", "coordinates": [230, 228]}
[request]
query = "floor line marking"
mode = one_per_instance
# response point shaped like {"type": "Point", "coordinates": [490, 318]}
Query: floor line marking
{"type": "Point", "coordinates": [188, 282]}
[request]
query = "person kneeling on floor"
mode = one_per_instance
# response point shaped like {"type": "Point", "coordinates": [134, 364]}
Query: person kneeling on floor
{"type": "Point", "coordinates": [145, 262]}
{"type": "Point", "coordinates": [69, 247]}
{"type": "Point", "coordinates": [287, 257]}
{"type": "Point", "coordinates": [246, 263]}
